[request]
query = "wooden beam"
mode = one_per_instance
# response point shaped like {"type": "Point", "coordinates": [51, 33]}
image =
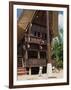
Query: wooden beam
{"type": "Point", "coordinates": [48, 39]}
{"type": "Point", "coordinates": [53, 23]}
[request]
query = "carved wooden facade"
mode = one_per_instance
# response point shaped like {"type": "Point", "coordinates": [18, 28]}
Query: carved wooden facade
{"type": "Point", "coordinates": [34, 35]}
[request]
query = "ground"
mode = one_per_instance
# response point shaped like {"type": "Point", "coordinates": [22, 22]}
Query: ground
{"type": "Point", "coordinates": [57, 75]}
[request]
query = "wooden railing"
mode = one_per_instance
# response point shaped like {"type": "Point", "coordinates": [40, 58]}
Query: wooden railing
{"type": "Point", "coordinates": [34, 39]}
{"type": "Point", "coordinates": [35, 62]}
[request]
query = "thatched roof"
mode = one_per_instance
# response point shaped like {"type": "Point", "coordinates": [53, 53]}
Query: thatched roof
{"type": "Point", "coordinates": [27, 17]}
{"type": "Point", "coordinates": [23, 22]}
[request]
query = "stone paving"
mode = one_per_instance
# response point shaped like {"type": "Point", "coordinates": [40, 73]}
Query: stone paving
{"type": "Point", "coordinates": [57, 75]}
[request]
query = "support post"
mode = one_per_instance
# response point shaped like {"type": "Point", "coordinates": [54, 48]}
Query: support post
{"type": "Point", "coordinates": [49, 64]}
{"type": "Point", "coordinates": [40, 70]}
{"type": "Point", "coordinates": [29, 32]}
{"type": "Point", "coordinates": [29, 70]}
{"type": "Point", "coordinates": [26, 55]}
{"type": "Point", "coordinates": [22, 63]}
{"type": "Point", "coordinates": [40, 67]}
{"type": "Point", "coordinates": [38, 55]}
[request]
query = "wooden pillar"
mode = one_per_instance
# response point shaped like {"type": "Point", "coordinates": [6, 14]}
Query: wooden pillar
{"type": "Point", "coordinates": [27, 43]}
{"type": "Point", "coordinates": [49, 63]}
{"type": "Point", "coordinates": [26, 58]}
{"type": "Point", "coordinates": [22, 63]}
{"type": "Point", "coordinates": [48, 40]}
{"type": "Point", "coordinates": [29, 32]}
{"type": "Point", "coordinates": [26, 55]}
{"type": "Point", "coordinates": [29, 70]}
{"type": "Point", "coordinates": [38, 55]}
{"type": "Point", "coordinates": [40, 67]}
{"type": "Point", "coordinates": [40, 70]}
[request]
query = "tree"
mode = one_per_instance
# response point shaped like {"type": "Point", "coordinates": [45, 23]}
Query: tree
{"type": "Point", "coordinates": [57, 51]}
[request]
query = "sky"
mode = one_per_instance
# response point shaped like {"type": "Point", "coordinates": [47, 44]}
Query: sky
{"type": "Point", "coordinates": [19, 11]}
{"type": "Point", "coordinates": [60, 21]}
{"type": "Point", "coordinates": [60, 17]}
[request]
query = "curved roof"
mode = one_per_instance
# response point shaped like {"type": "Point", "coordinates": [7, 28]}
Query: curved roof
{"type": "Point", "coordinates": [27, 17]}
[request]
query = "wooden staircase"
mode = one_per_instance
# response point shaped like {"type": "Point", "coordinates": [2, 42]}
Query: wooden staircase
{"type": "Point", "coordinates": [20, 69]}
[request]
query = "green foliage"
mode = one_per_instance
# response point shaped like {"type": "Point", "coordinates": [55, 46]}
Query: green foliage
{"type": "Point", "coordinates": [57, 51]}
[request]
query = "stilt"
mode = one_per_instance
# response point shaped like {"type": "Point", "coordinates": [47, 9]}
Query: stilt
{"type": "Point", "coordinates": [38, 55]}
{"type": "Point", "coordinates": [26, 55]}
{"type": "Point", "coordinates": [49, 69]}
{"type": "Point", "coordinates": [30, 25]}
{"type": "Point", "coordinates": [29, 71]}
{"type": "Point", "coordinates": [40, 70]}
{"type": "Point", "coordinates": [23, 63]}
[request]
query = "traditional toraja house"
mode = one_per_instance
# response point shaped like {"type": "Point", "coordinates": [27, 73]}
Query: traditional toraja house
{"type": "Point", "coordinates": [35, 31]}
